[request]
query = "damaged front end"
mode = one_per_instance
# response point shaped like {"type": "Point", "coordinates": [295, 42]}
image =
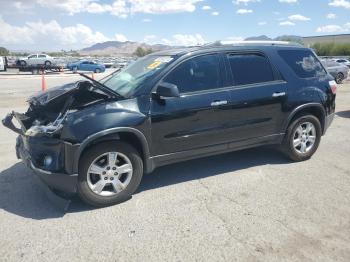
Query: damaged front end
{"type": "Point", "coordinates": [40, 144]}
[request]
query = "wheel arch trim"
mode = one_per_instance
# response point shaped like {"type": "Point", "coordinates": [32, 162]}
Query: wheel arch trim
{"type": "Point", "coordinates": [303, 107]}
{"type": "Point", "coordinates": [115, 131]}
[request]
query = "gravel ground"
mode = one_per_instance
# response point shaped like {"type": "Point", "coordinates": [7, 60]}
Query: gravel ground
{"type": "Point", "coordinates": [252, 205]}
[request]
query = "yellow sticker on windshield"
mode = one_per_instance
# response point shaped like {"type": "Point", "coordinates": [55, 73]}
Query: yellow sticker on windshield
{"type": "Point", "coordinates": [154, 65]}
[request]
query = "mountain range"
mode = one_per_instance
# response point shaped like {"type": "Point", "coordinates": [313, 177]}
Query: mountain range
{"type": "Point", "coordinates": [128, 48]}
{"type": "Point", "coordinates": [119, 48]}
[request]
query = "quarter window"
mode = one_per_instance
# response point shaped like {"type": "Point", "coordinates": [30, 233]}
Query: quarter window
{"type": "Point", "coordinates": [197, 74]}
{"type": "Point", "coordinates": [250, 69]}
{"type": "Point", "coordinates": [303, 62]}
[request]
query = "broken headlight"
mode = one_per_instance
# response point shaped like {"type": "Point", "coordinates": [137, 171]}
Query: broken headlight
{"type": "Point", "coordinates": [50, 129]}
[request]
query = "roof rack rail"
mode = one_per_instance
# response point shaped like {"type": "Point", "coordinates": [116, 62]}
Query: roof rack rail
{"type": "Point", "coordinates": [262, 42]}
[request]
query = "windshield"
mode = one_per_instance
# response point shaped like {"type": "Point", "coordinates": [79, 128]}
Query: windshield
{"type": "Point", "coordinates": [128, 80]}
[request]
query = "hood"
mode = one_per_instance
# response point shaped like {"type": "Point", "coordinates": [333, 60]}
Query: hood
{"type": "Point", "coordinates": [45, 97]}
{"type": "Point", "coordinates": [48, 110]}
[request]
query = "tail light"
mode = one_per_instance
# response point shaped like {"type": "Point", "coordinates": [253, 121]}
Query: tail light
{"type": "Point", "coordinates": [333, 85]}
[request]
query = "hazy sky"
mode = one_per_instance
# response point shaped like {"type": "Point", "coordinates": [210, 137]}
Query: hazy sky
{"type": "Point", "coordinates": [74, 24]}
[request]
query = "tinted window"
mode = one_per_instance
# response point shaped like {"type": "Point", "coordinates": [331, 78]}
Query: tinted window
{"type": "Point", "coordinates": [303, 62]}
{"type": "Point", "coordinates": [41, 56]}
{"type": "Point", "coordinates": [250, 69]}
{"type": "Point", "coordinates": [32, 56]}
{"type": "Point", "coordinates": [196, 74]}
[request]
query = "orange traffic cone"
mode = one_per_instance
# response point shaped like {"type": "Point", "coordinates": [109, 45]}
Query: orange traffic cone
{"type": "Point", "coordinates": [93, 75]}
{"type": "Point", "coordinates": [43, 81]}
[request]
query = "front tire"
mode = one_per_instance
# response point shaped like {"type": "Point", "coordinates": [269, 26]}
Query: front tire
{"type": "Point", "coordinates": [109, 173]}
{"type": "Point", "coordinates": [97, 70]}
{"type": "Point", "coordinates": [47, 63]}
{"type": "Point", "coordinates": [303, 138]}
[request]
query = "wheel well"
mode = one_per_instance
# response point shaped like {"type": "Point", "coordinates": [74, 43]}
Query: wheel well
{"type": "Point", "coordinates": [312, 110]}
{"type": "Point", "coordinates": [127, 137]}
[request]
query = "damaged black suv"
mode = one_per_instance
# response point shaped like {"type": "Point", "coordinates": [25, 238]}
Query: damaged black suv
{"type": "Point", "coordinates": [97, 138]}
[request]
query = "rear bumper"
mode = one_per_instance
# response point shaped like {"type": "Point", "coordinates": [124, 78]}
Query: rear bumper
{"type": "Point", "coordinates": [328, 122]}
{"type": "Point", "coordinates": [59, 181]}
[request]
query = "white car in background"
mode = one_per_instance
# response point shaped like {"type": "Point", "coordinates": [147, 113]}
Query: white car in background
{"type": "Point", "coordinates": [344, 62]}
{"type": "Point", "coordinates": [36, 59]}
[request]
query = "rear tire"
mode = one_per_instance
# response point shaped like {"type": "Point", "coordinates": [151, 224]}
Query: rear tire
{"type": "Point", "coordinates": [117, 186]}
{"type": "Point", "coordinates": [97, 71]}
{"type": "Point", "coordinates": [339, 78]}
{"type": "Point", "coordinates": [23, 63]}
{"type": "Point", "coordinates": [47, 63]}
{"type": "Point", "coordinates": [302, 138]}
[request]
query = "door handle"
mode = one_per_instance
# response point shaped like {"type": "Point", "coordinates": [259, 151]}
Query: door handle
{"type": "Point", "coordinates": [219, 103]}
{"type": "Point", "coordinates": [278, 94]}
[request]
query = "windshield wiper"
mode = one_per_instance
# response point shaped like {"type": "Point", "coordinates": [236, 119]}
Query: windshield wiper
{"type": "Point", "coordinates": [102, 87]}
{"type": "Point", "coordinates": [111, 74]}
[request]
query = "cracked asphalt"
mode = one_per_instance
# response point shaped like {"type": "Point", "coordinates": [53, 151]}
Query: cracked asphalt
{"type": "Point", "coordinates": [252, 205]}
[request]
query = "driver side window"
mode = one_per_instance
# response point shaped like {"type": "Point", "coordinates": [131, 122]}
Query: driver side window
{"type": "Point", "coordinates": [197, 74]}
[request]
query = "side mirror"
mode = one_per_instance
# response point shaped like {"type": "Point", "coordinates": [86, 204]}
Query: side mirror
{"type": "Point", "coordinates": [165, 89]}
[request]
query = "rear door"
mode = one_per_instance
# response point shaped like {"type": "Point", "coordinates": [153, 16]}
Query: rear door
{"type": "Point", "coordinates": [197, 118]}
{"type": "Point", "coordinates": [258, 97]}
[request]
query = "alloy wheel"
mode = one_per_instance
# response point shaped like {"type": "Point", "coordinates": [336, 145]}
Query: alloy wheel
{"type": "Point", "coordinates": [109, 174]}
{"type": "Point", "coordinates": [304, 138]}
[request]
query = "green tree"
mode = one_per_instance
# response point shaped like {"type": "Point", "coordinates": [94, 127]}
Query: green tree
{"type": "Point", "coordinates": [4, 51]}
{"type": "Point", "coordinates": [332, 49]}
{"type": "Point", "coordinates": [140, 51]}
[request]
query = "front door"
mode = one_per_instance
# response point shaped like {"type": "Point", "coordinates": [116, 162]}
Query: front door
{"type": "Point", "coordinates": [197, 118]}
{"type": "Point", "coordinates": [32, 59]}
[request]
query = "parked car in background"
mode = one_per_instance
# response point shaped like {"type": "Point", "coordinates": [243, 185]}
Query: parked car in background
{"type": "Point", "coordinates": [337, 70]}
{"type": "Point", "coordinates": [11, 61]}
{"type": "Point", "coordinates": [108, 64]}
{"type": "Point", "coordinates": [344, 62]}
{"type": "Point", "coordinates": [36, 59]}
{"type": "Point", "coordinates": [86, 66]}
{"type": "Point", "coordinates": [3, 63]}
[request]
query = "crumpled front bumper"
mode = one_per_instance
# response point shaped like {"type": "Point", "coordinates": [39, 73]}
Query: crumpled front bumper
{"type": "Point", "coordinates": [63, 182]}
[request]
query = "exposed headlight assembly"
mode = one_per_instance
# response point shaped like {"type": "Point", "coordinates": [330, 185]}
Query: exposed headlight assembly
{"type": "Point", "coordinates": [50, 129]}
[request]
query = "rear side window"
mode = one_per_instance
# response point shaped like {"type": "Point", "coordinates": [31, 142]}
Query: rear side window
{"type": "Point", "coordinates": [303, 62]}
{"type": "Point", "coordinates": [250, 69]}
{"type": "Point", "coordinates": [197, 74]}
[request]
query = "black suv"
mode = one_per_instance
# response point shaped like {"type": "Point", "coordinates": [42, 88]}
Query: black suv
{"type": "Point", "coordinates": [98, 138]}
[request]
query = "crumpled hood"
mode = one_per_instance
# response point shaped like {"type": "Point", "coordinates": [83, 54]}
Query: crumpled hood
{"type": "Point", "coordinates": [44, 97]}
{"type": "Point", "coordinates": [48, 110]}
